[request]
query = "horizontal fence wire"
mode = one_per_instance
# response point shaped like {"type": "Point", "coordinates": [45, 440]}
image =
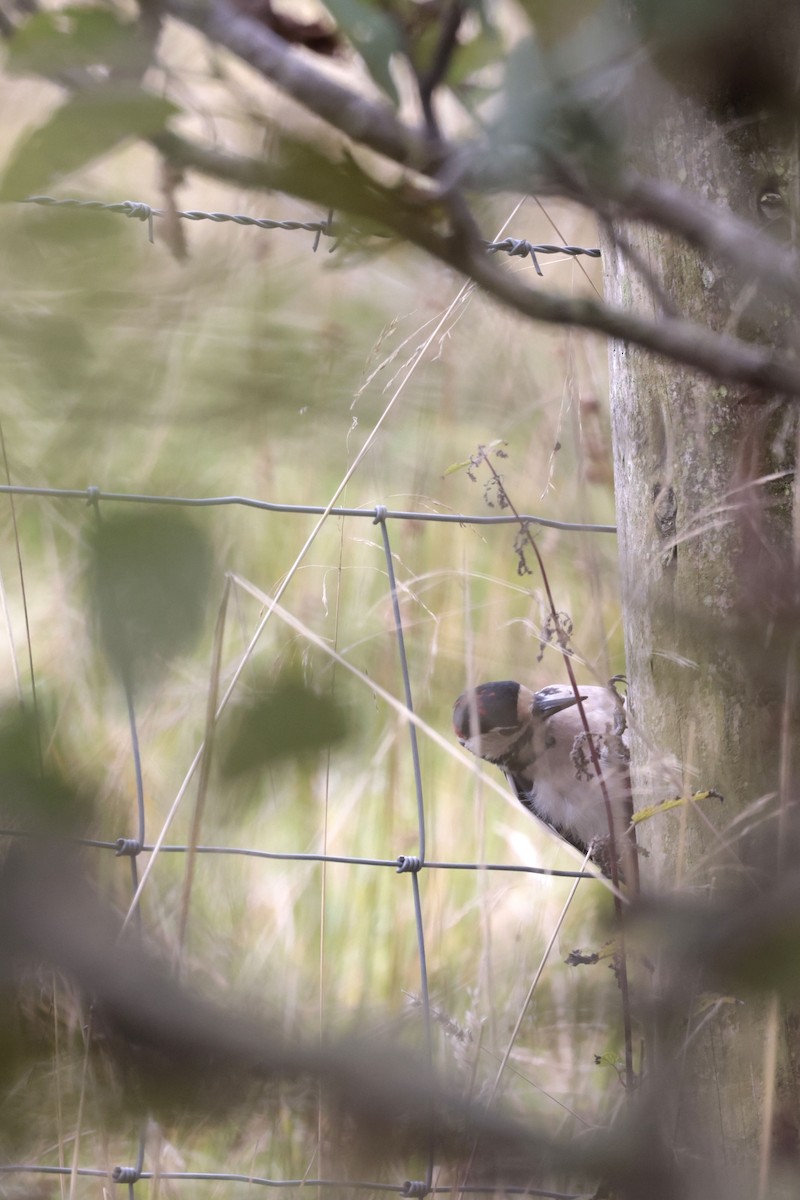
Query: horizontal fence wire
{"type": "Point", "coordinates": [233, 1177]}
{"type": "Point", "coordinates": [138, 210]}
{"type": "Point", "coordinates": [123, 847]}
{"type": "Point", "coordinates": [93, 495]}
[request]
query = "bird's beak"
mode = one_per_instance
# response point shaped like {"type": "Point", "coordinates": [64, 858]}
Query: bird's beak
{"type": "Point", "coordinates": [546, 704]}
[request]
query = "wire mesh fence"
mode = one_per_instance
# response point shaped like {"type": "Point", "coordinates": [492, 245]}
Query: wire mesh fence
{"type": "Point", "coordinates": [133, 847]}
{"type": "Point", "coordinates": [136, 846]}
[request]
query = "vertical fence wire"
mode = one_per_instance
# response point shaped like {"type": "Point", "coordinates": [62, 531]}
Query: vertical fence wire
{"type": "Point", "coordinates": [415, 864]}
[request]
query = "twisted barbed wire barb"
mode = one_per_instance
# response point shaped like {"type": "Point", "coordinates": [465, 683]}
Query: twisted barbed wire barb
{"type": "Point", "coordinates": [520, 248]}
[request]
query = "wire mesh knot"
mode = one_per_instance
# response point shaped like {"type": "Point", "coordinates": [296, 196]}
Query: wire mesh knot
{"type": "Point", "coordinates": [415, 1187]}
{"type": "Point", "coordinates": [380, 514]}
{"type": "Point", "coordinates": [127, 1174]}
{"type": "Point", "coordinates": [128, 847]}
{"type": "Point", "coordinates": [93, 494]}
{"type": "Point", "coordinates": [408, 863]}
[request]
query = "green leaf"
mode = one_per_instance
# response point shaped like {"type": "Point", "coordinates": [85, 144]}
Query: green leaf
{"type": "Point", "coordinates": [374, 35]}
{"type": "Point", "coordinates": [86, 126]}
{"type": "Point", "coordinates": [34, 796]}
{"type": "Point", "coordinates": [149, 575]}
{"type": "Point", "coordinates": [457, 466]}
{"type": "Point", "coordinates": [70, 38]}
{"type": "Point", "coordinates": [472, 57]}
{"type": "Point", "coordinates": [288, 722]}
{"type": "Point", "coordinates": [653, 810]}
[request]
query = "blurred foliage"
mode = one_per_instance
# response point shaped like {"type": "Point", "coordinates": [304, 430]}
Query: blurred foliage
{"type": "Point", "coordinates": [373, 34]}
{"type": "Point", "coordinates": [33, 798]}
{"type": "Point", "coordinates": [70, 37]}
{"type": "Point", "coordinates": [148, 578]}
{"type": "Point", "coordinates": [290, 722]}
{"type": "Point", "coordinates": [85, 127]}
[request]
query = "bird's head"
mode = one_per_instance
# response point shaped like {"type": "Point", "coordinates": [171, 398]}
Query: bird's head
{"type": "Point", "coordinates": [487, 719]}
{"type": "Point", "coordinates": [490, 718]}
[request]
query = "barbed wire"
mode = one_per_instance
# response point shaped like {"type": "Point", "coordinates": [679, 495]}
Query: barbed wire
{"type": "Point", "coordinates": [139, 210]}
{"type": "Point", "coordinates": [520, 248]}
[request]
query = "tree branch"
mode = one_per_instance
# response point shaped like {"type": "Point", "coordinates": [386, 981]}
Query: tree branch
{"type": "Point", "coordinates": [709, 227]}
{"type": "Point", "coordinates": [719, 355]}
{"type": "Point", "coordinates": [714, 229]}
{"type": "Point", "coordinates": [488, 166]}
{"type": "Point", "coordinates": [369, 122]}
{"type": "Point", "coordinates": [429, 80]}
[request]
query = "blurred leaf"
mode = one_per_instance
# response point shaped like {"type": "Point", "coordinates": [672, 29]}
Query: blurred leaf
{"type": "Point", "coordinates": [473, 56]}
{"type": "Point", "coordinates": [149, 576]}
{"type": "Point", "coordinates": [751, 942]}
{"type": "Point", "coordinates": [88, 125]}
{"type": "Point", "coordinates": [474, 98]}
{"type": "Point", "coordinates": [707, 1001]}
{"type": "Point", "coordinates": [374, 35]}
{"type": "Point", "coordinates": [32, 798]}
{"type": "Point", "coordinates": [51, 43]}
{"type": "Point", "coordinates": [52, 345]}
{"type": "Point", "coordinates": [342, 184]}
{"type": "Point", "coordinates": [583, 958]}
{"type": "Point", "coordinates": [541, 110]}
{"type": "Point", "coordinates": [686, 20]}
{"type": "Point", "coordinates": [525, 93]}
{"type": "Point", "coordinates": [288, 722]}
{"type": "Point", "coordinates": [554, 22]}
{"type": "Point", "coordinates": [421, 43]}
{"type": "Point", "coordinates": [422, 24]}
{"type": "Point", "coordinates": [457, 466]}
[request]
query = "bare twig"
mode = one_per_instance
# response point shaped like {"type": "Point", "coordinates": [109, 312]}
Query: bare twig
{"type": "Point", "coordinates": [714, 229]}
{"type": "Point", "coordinates": [710, 227]}
{"type": "Point", "coordinates": [429, 80]}
{"type": "Point", "coordinates": [562, 636]}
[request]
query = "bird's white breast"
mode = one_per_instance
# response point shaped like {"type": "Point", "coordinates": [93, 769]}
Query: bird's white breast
{"type": "Point", "coordinates": [567, 791]}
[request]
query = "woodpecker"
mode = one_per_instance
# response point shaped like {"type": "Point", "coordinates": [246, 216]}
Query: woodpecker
{"type": "Point", "coordinates": [540, 744]}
